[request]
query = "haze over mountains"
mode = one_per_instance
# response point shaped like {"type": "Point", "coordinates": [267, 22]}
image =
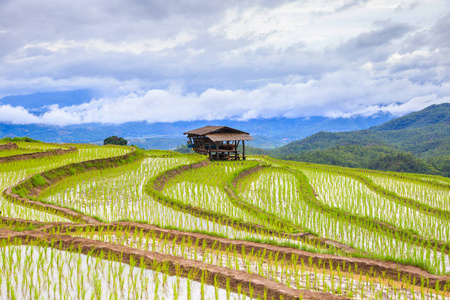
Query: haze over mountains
{"type": "Point", "coordinates": [420, 138]}
{"type": "Point", "coordinates": [268, 133]}
{"type": "Point", "coordinates": [282, 70]}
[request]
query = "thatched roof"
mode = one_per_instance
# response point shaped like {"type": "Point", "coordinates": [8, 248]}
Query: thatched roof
{"type": "Point", "coordinates": [219, 137]}
{"type": "Point", "coordinates": [220, 133]}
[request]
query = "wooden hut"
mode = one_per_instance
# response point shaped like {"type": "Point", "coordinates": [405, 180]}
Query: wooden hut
{"type": "Point", "coordinates": [218, 142]}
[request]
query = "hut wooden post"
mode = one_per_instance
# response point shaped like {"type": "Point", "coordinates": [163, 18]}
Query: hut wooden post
{"type": "Point", "coordinates": [210, 149]}
{"type": "Point", "coordinates": [243, 150]}
{"type": "Point", "coordinates": [217, 151]}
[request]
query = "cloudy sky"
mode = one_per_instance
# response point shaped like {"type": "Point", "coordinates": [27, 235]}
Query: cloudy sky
{"type": "Point", "coordinates": [158, 60]}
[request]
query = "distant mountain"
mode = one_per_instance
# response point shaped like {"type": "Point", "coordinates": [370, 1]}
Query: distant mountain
{"type": "Point", "coordinates": [38, 102]}
{"type": "Point", "coordinates": [425, 134]}
{"type": "Point", "coordinates": [267, 133]}
{"type": "Point", "coordinates": [432, 115]}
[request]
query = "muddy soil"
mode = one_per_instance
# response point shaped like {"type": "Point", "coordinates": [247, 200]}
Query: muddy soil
{"type": "Point", "coordinates": [236, 279]}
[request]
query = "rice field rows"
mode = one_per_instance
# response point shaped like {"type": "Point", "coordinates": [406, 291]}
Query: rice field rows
{"type": "Point", "coordinates": [222, 230]}
{"type": "Point", "coordinates": [261, 191]}
{"type": "Point", "coordinates": [13, 172]}
{"type": "Point", "coordinates": [292, 272]}
{"type": "Point", "coordinates": [35, 272]}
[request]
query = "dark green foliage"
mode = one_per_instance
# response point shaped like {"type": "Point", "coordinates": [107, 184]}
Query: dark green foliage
{"type": "Point", "coordinates": [38, 181]}
{"type": "Point", "coordinates": [20, 139]}
{"type": "Point", "coordinates": [434, 114]}
{"type": "Point", "coordinates": [418, 142]}
{"type": "Point", "coordinates": [115, 140]}
{"type": "Point", "coordinates": [442, 164]}
{"type": "Point", "coordinates": [348, 156]}
{"type": "Point", "coordinates": [402, 162]}
{"type": "Point", "coordinates": [325, 140]}
{"type": "Point", "coordinates": [20, 190]}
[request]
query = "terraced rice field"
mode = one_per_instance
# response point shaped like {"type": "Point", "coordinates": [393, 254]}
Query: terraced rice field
{"type": "Point", "coordinates": [118, 223]}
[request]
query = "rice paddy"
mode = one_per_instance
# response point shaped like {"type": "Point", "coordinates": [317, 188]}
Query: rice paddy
{"type": "Point", "coordinates": [165, 225]}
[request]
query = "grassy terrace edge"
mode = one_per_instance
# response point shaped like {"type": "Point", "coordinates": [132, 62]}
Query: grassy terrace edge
{"type": "Point", "coordinates": [441, 281]}
{"type": "Point", "coordinates": [375, 225]}
{"type": "Point", "coordinates": [382, 226]}
{"type": "Point", "coordinates": [34, 155]}
{"type": "Point", "coordinates": [424, 208]}
{"type": "Point", "coordinates": [156, 184]}
{"type": "Point", "coordinates": [25, 192]}
{"type": "Point", "coordinates": [233, 193]}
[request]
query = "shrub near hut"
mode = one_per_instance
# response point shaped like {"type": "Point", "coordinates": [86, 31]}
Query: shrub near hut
{"type": "Point", "coordinates": [115, 140]}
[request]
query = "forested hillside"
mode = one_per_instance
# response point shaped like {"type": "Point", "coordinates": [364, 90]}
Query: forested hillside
{"type": "Point", "coordinates": [418, 142]}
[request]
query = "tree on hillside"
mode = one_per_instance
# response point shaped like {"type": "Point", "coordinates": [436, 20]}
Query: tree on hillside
{"type": "Point", "coordinates": [20, 139]}
{"type": "Point", "coordinates": [183, 149]}
{"type": "Point", "coordinates": [402, 162]}
{"type": "Point", "coordinates": [115, 140]}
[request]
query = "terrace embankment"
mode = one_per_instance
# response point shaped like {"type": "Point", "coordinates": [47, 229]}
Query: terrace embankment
{"type": "Point", "coordinates": [155, 187]}
{"type": "Point", "coordinates": [309, 195]}
{"type": "Point", "coordinates": [370, 267]}
{"type": "Point", "coordinates": [231, 190]}
{"type": "Point", "coordinates": [227, 278]}
{"type": "Point", "coordinates": [34, 155]}
{"type": "Point", "coordinates": [423, 208]}
{"type": "Point", "coordinates": [361, 176]}
{"type": "Point", "coordinates": [161, 180]}
{"type": "Point", "coordinates": [26, 190]}
{"type": "Point", "coordinates": [365, 266]}
{"type": "Point", "coordinates": [8, 146]}
{"type": "Point", "coordinates": [21, 222]}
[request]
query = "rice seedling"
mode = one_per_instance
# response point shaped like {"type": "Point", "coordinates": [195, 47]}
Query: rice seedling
{"type": "Point", "coordinates": [13, 172]}
{"type": "Point", "coordinates": [352, 196]}
{"type": "Point", "coordinates": [292, 272]}
{"type": "Point", "coordinates": [36, 272]}
{"type": "Point", "coordinates": [274, 191]}
{"type": "Point", "coordinates": [336, 203]}
{"type": "Point", "coordinates": [424, 193]}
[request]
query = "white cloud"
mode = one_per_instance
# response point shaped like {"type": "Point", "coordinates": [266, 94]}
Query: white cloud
{"type": "Point", "coordinates": [229, 59]}
{"type": "Point", "coordinates": [340, 94]}
{"type": "Point", "coordinates": [415, 104]}
{"type": "Point", "coordinates": [17, 115]}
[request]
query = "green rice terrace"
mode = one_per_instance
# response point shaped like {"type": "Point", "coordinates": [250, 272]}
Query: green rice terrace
{"type": "Point", "coordinates": [81, 221]}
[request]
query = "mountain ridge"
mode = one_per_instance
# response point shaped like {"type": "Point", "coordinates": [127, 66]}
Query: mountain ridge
{"type": "Point", "coordinates": [421, 139]}
{"type": "Point", "coordinates": [268, 133]}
